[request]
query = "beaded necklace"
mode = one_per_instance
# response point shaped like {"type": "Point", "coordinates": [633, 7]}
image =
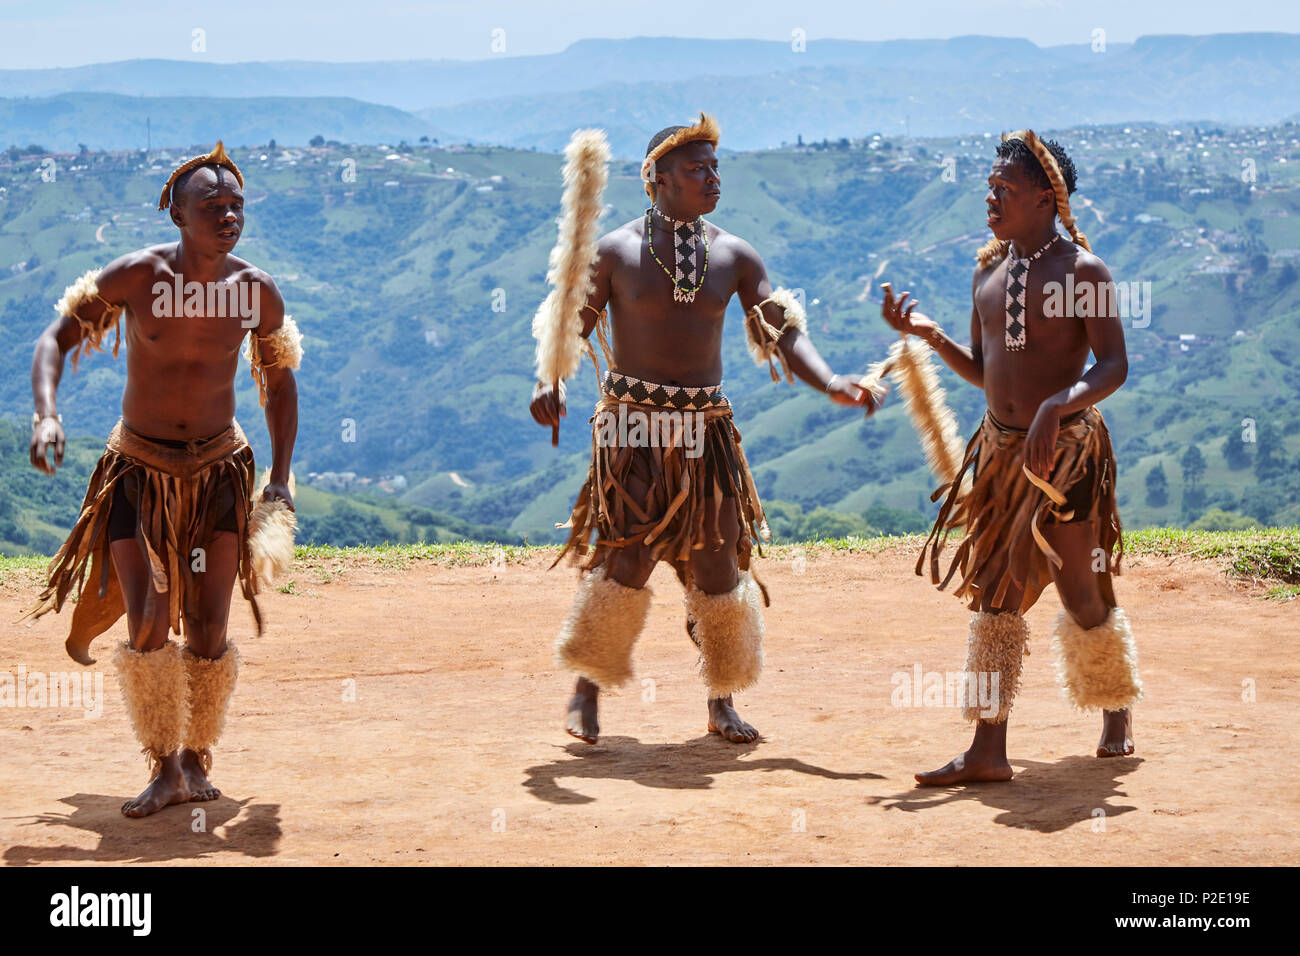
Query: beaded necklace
{"type": "Point", "coordinates": [1017, 285]}
{"type": "Point", "coordinates": [685, 236]}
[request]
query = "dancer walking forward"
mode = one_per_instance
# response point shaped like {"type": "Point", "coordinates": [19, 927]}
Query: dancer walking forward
{"type": "Point", "coordinates": [168, 523]}
{"type": "Point", "coordinates": [668, 479]}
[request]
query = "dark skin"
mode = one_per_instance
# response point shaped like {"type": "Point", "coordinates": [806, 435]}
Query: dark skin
{"type": "Point", "coordinates": [660, 340]}
{"type": "Point", "coordinates": [180, 385]}
{"type": "Point", "coordinates": [1033, 388]}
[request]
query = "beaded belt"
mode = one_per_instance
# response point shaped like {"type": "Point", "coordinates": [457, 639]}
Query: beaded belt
{"type": "Point", "coordinates": [625, 388]}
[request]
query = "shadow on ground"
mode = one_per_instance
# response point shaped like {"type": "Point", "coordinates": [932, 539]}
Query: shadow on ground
{"type": "Point", "coordinates": [173, 833]}
{"type": "Point", "coordinates": [1046, 797]}
{"type": "Point", "coordinates": [690, 765]}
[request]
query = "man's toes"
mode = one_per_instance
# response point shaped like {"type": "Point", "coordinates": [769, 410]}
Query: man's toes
{"type": "Point", "coordinates": [581, 733]}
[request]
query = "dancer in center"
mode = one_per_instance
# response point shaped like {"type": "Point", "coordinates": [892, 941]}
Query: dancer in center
{"type": "Point", "coordinates": [668, 479]}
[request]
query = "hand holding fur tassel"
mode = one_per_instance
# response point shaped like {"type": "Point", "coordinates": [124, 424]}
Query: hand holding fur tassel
{"type": "Point", "coordinates": [910, 367]}
{"type": "Point", "coordinates": [271, 529]}
{"type": "Point", "coordinates": [557, 326]}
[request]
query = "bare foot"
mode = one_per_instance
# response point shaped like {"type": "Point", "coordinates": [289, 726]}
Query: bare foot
{"type": "Point", "coordinates": [581, 721]}
{"type": "Point", "coordinates": [196, 780]}
{"type": "Point", "coordinates": [164, 790]}
{"type": "Point", "coordinates": [968, 768]}
{"type": "Point", "coordinates": [1116, 733]}
{"type": "Point", "coordinates": [724, 720]}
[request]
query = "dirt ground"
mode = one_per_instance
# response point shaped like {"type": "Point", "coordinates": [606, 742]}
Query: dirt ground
{"type": "Point", "coordinates": [406, 716]}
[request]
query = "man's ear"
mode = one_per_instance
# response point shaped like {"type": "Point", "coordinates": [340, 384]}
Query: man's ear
{"type": "Point", "coordinates": [1047, 198]}
{"type": "Point", "coordinates": [177, 220]}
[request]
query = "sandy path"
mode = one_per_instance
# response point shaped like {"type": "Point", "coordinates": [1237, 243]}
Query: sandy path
{"type": "Point", "coordinates": [453, 751]}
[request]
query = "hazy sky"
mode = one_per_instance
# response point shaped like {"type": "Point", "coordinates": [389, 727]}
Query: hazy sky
{"type": "Point", "coordinates": [44, 33]}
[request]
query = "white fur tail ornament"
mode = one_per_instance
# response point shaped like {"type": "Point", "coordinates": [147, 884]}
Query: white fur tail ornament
{"type": "Point", "coordinates": [557, 326]}
{"type": "Point", "coordinates": [271, 528]}
{"type": "Point", "coordinates": [910, 367]}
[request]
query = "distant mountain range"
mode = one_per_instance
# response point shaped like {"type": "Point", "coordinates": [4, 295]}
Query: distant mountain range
{"type": "Point", "coordinates": [764, 92]}
{"type": "Point", "coordinates": [112, 121]}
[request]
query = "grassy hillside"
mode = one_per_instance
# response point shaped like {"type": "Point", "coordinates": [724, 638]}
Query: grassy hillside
{"type": "Point", "coordinates": [415, 284]}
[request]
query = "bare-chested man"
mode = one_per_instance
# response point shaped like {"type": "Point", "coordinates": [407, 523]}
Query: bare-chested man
{"type": "Point", "coordinates": [164, 525]}
{"type": "Point", "coordinates": [668, 276]}
{"type": "Point", "coordinates": [1041, 500]}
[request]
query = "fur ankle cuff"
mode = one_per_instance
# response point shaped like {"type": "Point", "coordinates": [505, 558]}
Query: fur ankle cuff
{"type": "Point", "coordinates": [729, 632]}
{"type": "Point", "coordinates": [603, 625]}
{"type": "Point", "coordinates": [211, 683]}
{"type": "Point", "coordinates": [1097, 666]}
{"type": "Point", "coordinates": [153, 690]}
{"type": "Point", "coordinates": [995, 652]}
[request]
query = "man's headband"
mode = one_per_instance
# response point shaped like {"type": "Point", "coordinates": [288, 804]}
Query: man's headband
{"type": "Point", "coordinates": [1053, 171]}
{"type": "Point", "coordinates": [217, 157]}
{"type": "Point", "coordinates": [704, 130]}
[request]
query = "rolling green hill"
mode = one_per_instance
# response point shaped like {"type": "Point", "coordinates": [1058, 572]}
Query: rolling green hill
{"type": "Point", "coordinates": [415, 285]}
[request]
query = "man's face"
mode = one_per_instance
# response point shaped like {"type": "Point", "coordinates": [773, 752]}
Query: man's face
{"type": "Point", "coordinates": [210, 210]}
{"type": "Point", "coordinates": [1016, 205]}
{"type": "Point", "coordinates": [688, 179]}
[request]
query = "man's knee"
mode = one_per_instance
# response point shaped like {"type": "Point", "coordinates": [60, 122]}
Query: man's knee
{"type": "Point", "coordinates": [714, 571]}
{"type": "Point", "coordinates": [1085, 605]}
{"type": "Point", "coordinates": [631, 566]}
{"type": "Point", "coordinates": [205, 632]}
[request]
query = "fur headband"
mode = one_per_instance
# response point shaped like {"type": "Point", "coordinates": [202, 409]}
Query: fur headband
{"type": "Point", "coordinates": [217, 157]}
{"type": "Point", "coordinates": [995, 249]}
{"type": "Point", "coordinates": [704, 130]}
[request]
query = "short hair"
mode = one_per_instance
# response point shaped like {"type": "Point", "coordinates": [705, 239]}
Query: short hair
{"type": "Point", "coordinates": [1018, 152]}
{"type": "Point", "coordinates": [660, 136]}
{"type": "Point", "coordinates": [183, 180]}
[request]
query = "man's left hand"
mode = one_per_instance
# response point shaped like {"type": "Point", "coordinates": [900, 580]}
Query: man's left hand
{"type": "Point", "coordinates": [1040, 443]}
{"type": "Point", "coordinates": [277, 489]}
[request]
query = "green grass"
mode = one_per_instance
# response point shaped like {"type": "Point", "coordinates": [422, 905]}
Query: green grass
{"type": "Point", "coordinates": [1283, 592]}
{"type": "Point", "coordinates": [454, 554]}
{"type": "Point", "coordinates": [1264, 554]}
{"type": "Point", "coordinates": [1271, 554]}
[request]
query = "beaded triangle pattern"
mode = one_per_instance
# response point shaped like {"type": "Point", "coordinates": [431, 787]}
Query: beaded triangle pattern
{"type": "Point", "coordinates": [626, 388]}
{"type": "Point", "coordinates": [686, 245]}
{"type": "Point", "coordinates": [1017, 284]}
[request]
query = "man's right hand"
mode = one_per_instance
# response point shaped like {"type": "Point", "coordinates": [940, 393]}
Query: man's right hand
{"type": "Point", "coordinates": [545, 407]}
{"type": "Point", "coordinates": [900, 315]}
{"type": "Point", "coordinates": [47, 432]}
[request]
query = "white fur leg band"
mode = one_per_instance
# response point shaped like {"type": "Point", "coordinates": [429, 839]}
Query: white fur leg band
{"type": "Point", "coordinates": [1097, 666]}
{"type": "Point", "coordinates": [729, 632]}
{"type": "Point", "coordinates": [603, 625]}
{"type": "Point", "coordinates": [995, 652]}
{"type": "Point", "coordinates": [211, 682]}
{"type": "Point", "coordinates": [153, 690]}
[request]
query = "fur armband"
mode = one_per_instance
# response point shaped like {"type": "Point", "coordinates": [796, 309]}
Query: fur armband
{"type": "Point", "coordinates": [285, 347]}
{"type": "Point", "coordinates": [763, 336]}
{"type": "Point", "coordinates": [80, 294]}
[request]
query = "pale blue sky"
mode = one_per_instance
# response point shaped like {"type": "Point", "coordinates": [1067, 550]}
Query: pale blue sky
{"type": "Point", "coordinates": [44, 33]}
